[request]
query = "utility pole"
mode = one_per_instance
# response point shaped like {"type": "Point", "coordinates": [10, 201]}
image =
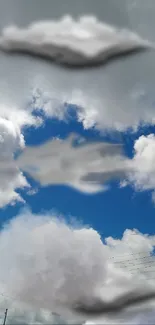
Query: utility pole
{"type": "Point", "coordinates": [5, 316]}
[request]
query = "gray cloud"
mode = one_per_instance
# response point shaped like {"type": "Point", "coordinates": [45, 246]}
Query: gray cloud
{"type": "Point", "coordinates": [49, 266]}
{"type": "Point", "coordinates": [99, 307]}
{"type": "Point", "coordinates": [46, 268]}
{"type": "Point", "coordinates": [102, 177]}
{"type": "Point", "coordinates": [109, 96]}
{"type": "Point", "coordinates": [86, 167]}
{"type": "Point", "coordinates": [81, 42]}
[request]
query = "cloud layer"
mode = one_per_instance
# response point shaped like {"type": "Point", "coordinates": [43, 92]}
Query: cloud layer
{"type": "Point", "coordinates": [49, 263]}
{"type": "Point", "coordinates": [85, 41]}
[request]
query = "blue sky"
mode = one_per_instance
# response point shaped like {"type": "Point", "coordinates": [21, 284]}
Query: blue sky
{"type": "Point", "coordinates": [109, 212]}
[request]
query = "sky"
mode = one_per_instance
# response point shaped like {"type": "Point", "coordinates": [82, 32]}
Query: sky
{"type": "Point", "coordinates": [110, 212]}
{"type": "Point", "coordinates": [76, 212]}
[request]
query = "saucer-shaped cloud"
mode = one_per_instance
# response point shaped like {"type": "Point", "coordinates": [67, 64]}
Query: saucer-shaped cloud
{"type": "Point", "coordinates": [85, 41]}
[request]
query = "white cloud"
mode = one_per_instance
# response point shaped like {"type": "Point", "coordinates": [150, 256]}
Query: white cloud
{"type": "Point", "coordinates": [12, 121]}
{"type": "Point", "coordinates": [46, 266]}
{"type": "Point", "coordinates": [72, 42]}
{"type": "Point", "coordinates": [45, 262]}
{"type": "Point", "coordinates": [11, 139]}
{"type": "Point", "coordinates": [87, 167]}
{"type": "Point", "coordinates": [104, 98]}
{"type": "Point", "coordinates": [143, 176]}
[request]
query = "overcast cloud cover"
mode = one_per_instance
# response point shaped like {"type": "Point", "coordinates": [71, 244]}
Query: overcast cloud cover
{"type": "Point", "coordinates": [116, 96]}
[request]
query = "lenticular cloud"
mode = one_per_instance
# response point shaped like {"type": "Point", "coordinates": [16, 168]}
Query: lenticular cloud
{"type": "Point", "coordinates": [85, 41]}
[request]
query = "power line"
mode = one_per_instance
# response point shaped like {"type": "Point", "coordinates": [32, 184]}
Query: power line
{"type": "Point", "coordinates": [145, 266]}
{"type": "Point", "coordinates": [135, 259]}
{"type": "Point", "coordinates": [133, 254]}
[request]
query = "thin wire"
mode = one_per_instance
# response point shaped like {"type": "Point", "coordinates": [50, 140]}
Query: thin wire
{"type": "Point", "coordinates": [135, 259]}
{"type": "Point", "coordinates": [144, 264]}
{"type": "Point", "coordinates": [132, 254]}
{"type": "Point", "coordinates": [129, 259]}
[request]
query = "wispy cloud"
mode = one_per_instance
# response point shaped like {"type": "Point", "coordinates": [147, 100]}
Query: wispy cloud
{"type": "Point", "coordinates": [87, 167]}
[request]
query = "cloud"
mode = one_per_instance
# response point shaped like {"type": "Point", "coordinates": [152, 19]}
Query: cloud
{"type": "Point", "coordinates": [48, 267]}
{"type": "Point", "coordinates": [46, 263]}
{"type": "Point", "coordinates": [85, 41]}
{"type": "Point", "coordinates": [11, 177]}
{"type": "Point", "coordinates": [87, 167]}
{"type": "Point", "coordinates": [143, 162]}
{"type": "Point", "coordinates": [95, 94]}
{"type": "Point", "coordinates": [98, 98]}
{"type": "Point", "coordinates": [11, 139]}
{"type": "Point", "coordinates": [13, 120]}
{"type": "Point", "coordinates": [106, 96]}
